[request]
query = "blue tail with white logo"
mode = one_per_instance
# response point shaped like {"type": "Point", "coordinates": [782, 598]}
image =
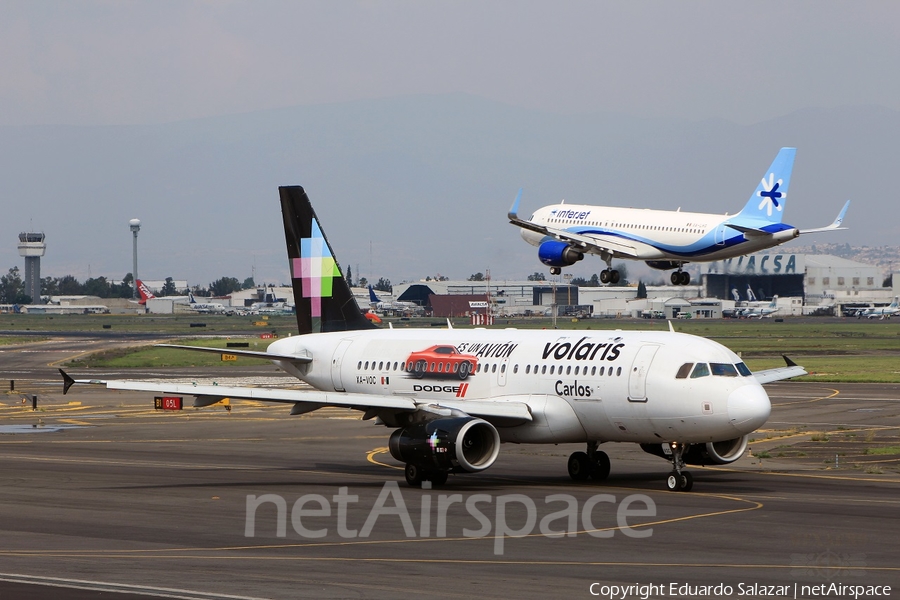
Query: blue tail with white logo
{"type": "Point", "coordinates": [767, 202]}
{"type": "Point", "coordinates": [372, 297]}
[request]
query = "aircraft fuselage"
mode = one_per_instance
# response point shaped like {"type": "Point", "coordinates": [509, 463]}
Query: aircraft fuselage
{"type": "Point", "coordinates": [580, 386]}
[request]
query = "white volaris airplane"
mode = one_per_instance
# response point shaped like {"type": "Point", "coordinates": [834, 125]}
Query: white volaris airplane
{"type": "Point", "coordinates": [882, 312]}
{"type": "Point", "coordinates": [664, 239]}
{"type": "Point", "coordinates": [453, 396]}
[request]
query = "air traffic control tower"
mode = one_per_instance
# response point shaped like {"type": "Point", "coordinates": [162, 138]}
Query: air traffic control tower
{"type": "Point", "coordinates": [32, 247]}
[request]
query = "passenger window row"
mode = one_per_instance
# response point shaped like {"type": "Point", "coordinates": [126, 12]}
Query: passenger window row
{"type": "Point", "coordinates": [627, 225]}
{"type": "Point", "coordinates": [440, 367]}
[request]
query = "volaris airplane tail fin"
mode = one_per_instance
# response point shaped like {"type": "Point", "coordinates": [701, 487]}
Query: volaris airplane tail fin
{"type": "Point", "coordinates": [321, 294]}
{"type": "Point", "coordinates": [767, 202]}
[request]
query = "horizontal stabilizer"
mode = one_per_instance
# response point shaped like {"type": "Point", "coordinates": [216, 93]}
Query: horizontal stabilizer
{"type": "Point", "coordinates": [749, 231]}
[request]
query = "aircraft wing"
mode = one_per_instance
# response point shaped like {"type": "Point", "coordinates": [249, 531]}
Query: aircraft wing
{"type": "Point", "coordinates": [247, 353]}
{"type": "Point", "coordinates": [310, 400]}
{"type": "Point", "coordinates": [596, 244]}
{"type": "Point", "coordinates": [791, 370]}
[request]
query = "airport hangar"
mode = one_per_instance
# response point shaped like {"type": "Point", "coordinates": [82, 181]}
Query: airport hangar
{"type": "Point", "coordinates": [804, 284]}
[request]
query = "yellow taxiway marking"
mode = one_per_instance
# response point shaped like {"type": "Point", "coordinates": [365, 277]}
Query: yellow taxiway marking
{"type": "Point", "coordinates": [806, 475]}
{"type": "Point", "coordinates": [419, 540]}
{"type": "Point", "coordinates": [370, 456]}
{"type": "Point", "coordinates": [833, 391]}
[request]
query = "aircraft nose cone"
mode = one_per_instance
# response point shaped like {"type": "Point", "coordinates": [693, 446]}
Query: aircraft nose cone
{"type": "Point", "coordinates": [748, 408]}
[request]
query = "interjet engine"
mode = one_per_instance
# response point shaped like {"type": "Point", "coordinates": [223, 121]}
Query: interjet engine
{"type": "Point", "coordinates": [559, 254]}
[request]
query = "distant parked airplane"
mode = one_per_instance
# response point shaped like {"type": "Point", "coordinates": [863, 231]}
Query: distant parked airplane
{"type": "Point", "coordinates": [146, 294]}
{"type": "Point", "coordinates": [206, 307]}
{"type": "Point", "coordinates": [378, 304]}
{"type": "Point", "coordinates": [882, 312]}
{"type": "Point", "coordinates": [760, 312]}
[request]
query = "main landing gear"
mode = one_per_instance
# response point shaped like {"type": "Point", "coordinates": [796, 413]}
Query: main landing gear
{"type": "Point", "coordinates": [679, 480]}
{"type": "Point", "coordinates": [606, 275]}
{"type": "Point", "coordinates": [680, 277]}
{"type": "Point", "coordinates": [593, 463]}
{"type": "Point", "coordinates": [609, 276]}
{"type": "Point", "coordinates": [415, 475]}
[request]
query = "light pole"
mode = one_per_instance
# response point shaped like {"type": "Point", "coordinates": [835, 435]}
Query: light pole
{"type": "Point", "coordinates": [135, 227]}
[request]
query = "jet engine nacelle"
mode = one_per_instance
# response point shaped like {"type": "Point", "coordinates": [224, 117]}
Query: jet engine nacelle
{"type": "Point", "coordinates": [453, 444]}
{"type": "Point", "coordinates": [559, 254]}
{"type": "Point", "coordinates": [710, 453]}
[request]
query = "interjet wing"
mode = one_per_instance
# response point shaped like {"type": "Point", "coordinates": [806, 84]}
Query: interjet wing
{"type": "Point", "coordinates": [594, 244]}
{"type": "Point", "coordinates": [310, 400]}
{"type": "Point", "coordinates": [769, 375]}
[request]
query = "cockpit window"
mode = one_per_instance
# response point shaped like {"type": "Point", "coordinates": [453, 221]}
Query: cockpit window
{"type": "Point", "coordinates": [701, 370]}
{"type": "Point", "coordinates": [743, 370]}
{"type": "Point", "coordinates": [684, 370]}
{"type": "Point", "coordinates": [723, 369]}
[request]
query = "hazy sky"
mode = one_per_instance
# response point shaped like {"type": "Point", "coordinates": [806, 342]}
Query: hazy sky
{"type": "Point", "coordinates": [98, 63]}
{"type": "Point", "coordinates": [117, 62]}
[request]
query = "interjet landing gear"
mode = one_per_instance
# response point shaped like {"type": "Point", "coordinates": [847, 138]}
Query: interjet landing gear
{"type": "Point", "coordinates": [679, 480]}
{"type": "Point", "coordinates": [593, 463]}
{"type": "Point", "coordinates": [680, 277]}
{"type": "Point", "coordinates": [555, 270]}
{"type": "Point", "coordinates": [609, 276]}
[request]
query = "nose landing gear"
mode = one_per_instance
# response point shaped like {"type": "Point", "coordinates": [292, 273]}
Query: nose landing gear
{"type": "Point", "coordinates": [679, 480]}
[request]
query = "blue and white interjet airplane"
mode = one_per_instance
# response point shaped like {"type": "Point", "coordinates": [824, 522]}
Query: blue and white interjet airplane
{"type": "Point", "coordinates": [664, 239]}
{"type": "Point", "coordinates": [453, 396]}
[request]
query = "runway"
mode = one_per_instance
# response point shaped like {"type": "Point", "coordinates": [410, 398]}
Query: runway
{"type": "Point", "coordinates": [100, 492]}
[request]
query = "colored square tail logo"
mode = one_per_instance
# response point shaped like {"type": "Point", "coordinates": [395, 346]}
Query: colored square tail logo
{"type": "Point", "coordinates": [316, 269]}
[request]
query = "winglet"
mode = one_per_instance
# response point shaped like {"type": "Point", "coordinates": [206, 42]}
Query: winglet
{"type": "Point", "coordinates": [513, 213]}
{"type": "Point", "coordinates": [449, 324]}
{"type": "Point", "coordinates": [671, 329]}
{"type": "Point", "coordinates": [789, 362]}
{"type": "Point", "coordinates": [67, 381]}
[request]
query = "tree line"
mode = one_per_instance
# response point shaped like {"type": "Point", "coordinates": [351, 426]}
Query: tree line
{"type": "Point", "coordinates": [12, 287]}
